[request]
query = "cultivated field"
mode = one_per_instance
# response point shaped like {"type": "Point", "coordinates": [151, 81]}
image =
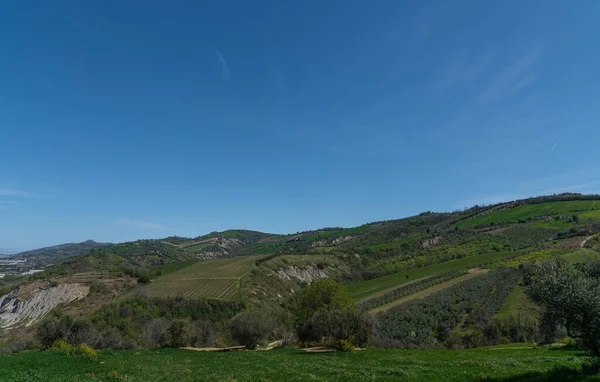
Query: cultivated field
{"type": "Point", "coordinates": [218, 279]}
{"type": "Point", "coordinates": [363, 290]}
{"type": "Point", "coordinates": [429, 291]}
{"type": "Point", "coordinates": [576, 207]}
{"type": "Point", "coordinates": [521, 362]}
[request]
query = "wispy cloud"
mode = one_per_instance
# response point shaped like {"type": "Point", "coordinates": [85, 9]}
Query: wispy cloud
{"type": "Point", "coordinates": [553, 147]}
{"type": "Point", "coordinates": [511, 78]}
{"type": "Point", "coordinates": [13, 192]}
{"type": "Point", "coordinates": [224, 66]}
{"type": "Point", "coordinates": [136, 223]}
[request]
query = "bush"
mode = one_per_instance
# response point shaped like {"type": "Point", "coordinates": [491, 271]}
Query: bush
{"type": "Point", "coordinates": [250, 329]}
{"type": "Point", "coordinates": [15, 346]}
{"type": "Point", "coordinates": [154, 334]}
{"type": "Point", "coordinates": [83, 351]}
{"type": "Point", "coordinates": [337, 328]}
{"type": "Point", "coordinates": [178, 333]}
{"type": "Point", "coordinates": [203, 334]}
{"type": "Point", "coordinates": [53, 328]}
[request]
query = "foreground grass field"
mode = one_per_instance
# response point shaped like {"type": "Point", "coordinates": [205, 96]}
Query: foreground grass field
{"type": "Point", "coordinates": [493, 364]}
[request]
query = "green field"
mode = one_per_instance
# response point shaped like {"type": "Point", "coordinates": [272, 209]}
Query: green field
{"type": "Point", "coordinates": [575, 207]}
{"type": "Point", "coordinates": [518, 304]}
{"type": "Point", "coordinates": [579, 256]}
{"type": "Point", "coordinates": [204, 279]}
{"type": "Point", "coordinates": [363, 289]}
{"type": "Point", "coordinates": [491, 364]}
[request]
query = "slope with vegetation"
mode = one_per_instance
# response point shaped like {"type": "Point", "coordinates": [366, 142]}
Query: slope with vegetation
{"type": "Point", "coordinates": [453, 280]}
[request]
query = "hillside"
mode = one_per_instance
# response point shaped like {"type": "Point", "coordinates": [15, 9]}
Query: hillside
{"type": "Point", "coordinates": [477, 255]}
{"type": "Point", "coordinates": [54, 254]}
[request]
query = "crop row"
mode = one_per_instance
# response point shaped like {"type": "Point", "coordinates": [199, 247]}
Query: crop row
{"type": "Point", "coordinates": [468, 305]}
{"type": "Point", "coordinates": [196, 288]}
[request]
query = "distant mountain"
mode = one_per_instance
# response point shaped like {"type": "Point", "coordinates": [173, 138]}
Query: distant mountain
{"type": "Point", "coordinates": [54, 254]}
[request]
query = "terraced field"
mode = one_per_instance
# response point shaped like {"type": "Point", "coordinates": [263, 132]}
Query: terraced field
{"type": "Point", "coordinates": [219, 279]}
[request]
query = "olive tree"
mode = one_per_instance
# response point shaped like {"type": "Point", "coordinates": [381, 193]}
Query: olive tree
{"type": "Point", "coordinates": [570, 297]}
{"type": "Point", "coordinates": [327, 313]}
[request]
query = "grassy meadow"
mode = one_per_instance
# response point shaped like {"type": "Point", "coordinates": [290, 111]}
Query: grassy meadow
{"type": "Point", "coordinates": [515, 363]}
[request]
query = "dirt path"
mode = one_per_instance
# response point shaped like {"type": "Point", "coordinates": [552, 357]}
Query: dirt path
{"type": "Point", "coordinates": [429, 291]}
{"type": "Point", "coordinates": [189, 244]}
{"type": "Point", "coordinates": [582, 244]}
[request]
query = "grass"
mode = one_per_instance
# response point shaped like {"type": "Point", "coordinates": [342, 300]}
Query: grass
{"type": "Point", "coordinates": [426, 292]}
{"type": "Point", "coordinates": [490, 364]}
{"type": "Point", "coordinates": [204, 279]}
{"type": "Point", "coordinates": [364, 289]}
{"type": "Point", "coordinates": [575, 207]}
{"type": "Point", "coordinates": [579, 256]}
{"type": "Point", "coordinates": [518, 304]}
{"type": "Point", "coordinates": [532, 257]}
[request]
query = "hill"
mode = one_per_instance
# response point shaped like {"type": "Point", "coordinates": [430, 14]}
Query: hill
{"type": "Point", "coordinates": [54, 254]}
{"type": "Point", "coordinates": [479, 255]}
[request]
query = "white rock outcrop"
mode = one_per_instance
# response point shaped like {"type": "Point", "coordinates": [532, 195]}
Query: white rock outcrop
{"type": "Point", "coordinates": [305, 273]}
{"type": "Point", "coordinates": [15, 311]}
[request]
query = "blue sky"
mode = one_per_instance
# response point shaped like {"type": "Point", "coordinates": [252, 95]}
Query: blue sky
{"type": "Point", "coordinates": [134, 119]}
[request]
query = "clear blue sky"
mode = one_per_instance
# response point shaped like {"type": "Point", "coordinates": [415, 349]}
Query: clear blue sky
{"type": "Point", "coordinates": [134, 119]}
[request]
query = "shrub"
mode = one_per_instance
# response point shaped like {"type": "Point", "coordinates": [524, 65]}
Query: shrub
{"type": "Point", "coordinates": [250, 329]}
{"type": "Point", "coordinates": [154, 334]}
{"type": "Point", "coordinates": [337, 328]}
{"type": "Point", "coordinates": [178, 333]}
{"type": "Point", "coordinates": [203, 334]}
{"type": "Point", "coordinates": [83, 351]}
{"type": "Point", "coordinates": [346, 346]}
{"type": "Point", "coordinates": [52, 328]}
{"type": "Point", "coordinates": [15, 346]}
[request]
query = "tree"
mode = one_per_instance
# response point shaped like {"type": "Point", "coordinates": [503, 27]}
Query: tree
{"type": "Point", "coordinates": [339, 328]}
{"type": "Point", "coordinates": [323, 294]}
{"type": "Point", "coordinates": [570, 297]}
{"type": "Point", "coordinates": [326, 312]}
{"type": "Point", "coordinates": [53, 328]}
{"type": "Point", "coordinates": [249, 329]}
{"type": "Point", "coordinates": [179, 333]}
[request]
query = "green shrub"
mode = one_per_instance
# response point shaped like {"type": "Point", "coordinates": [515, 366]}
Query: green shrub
{"type": "Point", "coordinates": [250, 329]}
{"type": "Point", "coordinates": [179, 333]}
{"type": "Point", "coordinates": [346, 346]}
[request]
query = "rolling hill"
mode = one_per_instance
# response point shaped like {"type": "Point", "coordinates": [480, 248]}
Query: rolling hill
{"type": "Point", "coordinates": [54, 254]}
{"type": "Point", "coordinates": [384, 265]}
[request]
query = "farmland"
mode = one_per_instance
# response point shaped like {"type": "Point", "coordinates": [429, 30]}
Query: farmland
{"type": "Point", "coordinates": [364, 289]}
{"type": "Point", "coordinates": [513, 215]}
{"type": "Point", "coordinates": [509, 363]}
{"type": "Point", "coordinates": [218, 279]}
{"type": "Point", "coordinates": [428, 291]}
